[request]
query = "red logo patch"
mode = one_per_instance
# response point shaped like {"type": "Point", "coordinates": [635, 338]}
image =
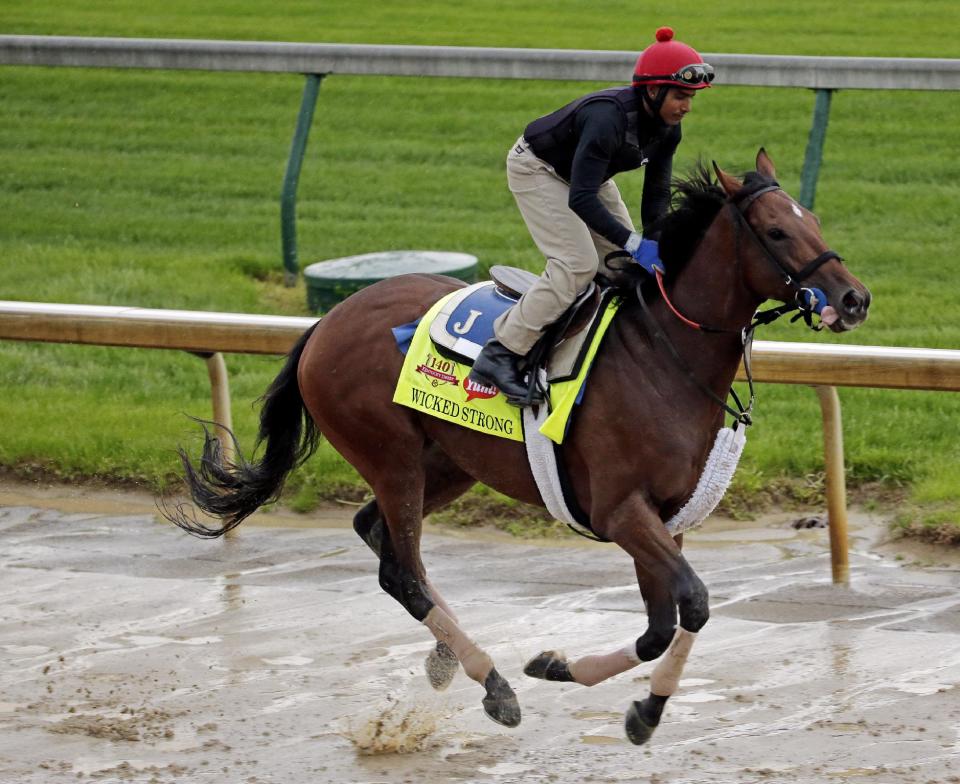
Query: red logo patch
{"type": "Point", "coordinates": [475, 390]}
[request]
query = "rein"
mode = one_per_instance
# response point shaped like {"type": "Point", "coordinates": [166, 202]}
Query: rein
{"type": "Point", "coordinates": [805, 300]}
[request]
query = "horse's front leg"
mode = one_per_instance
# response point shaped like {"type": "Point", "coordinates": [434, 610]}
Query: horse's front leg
{"type": "Point", "coordinates": [666, 583]}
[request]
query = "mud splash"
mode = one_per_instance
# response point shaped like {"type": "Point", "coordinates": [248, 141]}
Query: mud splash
{"type": "Point", "coordinates": [397, 727]}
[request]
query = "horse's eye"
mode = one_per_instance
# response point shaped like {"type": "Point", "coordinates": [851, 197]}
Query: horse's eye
{"type": "Point", "coordinates": [776, 234]}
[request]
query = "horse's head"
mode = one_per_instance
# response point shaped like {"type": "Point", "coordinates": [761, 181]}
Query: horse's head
{"type": "Point", "coordinates": [784, 254]}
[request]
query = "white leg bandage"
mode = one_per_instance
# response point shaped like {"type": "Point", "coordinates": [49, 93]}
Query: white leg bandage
{"type": "Point", "coordinates": [591, 670]}
{"type": "Point", "coordinates": [438, 600]}
{"type": "Point", "coordinates": [475, 662]}
{"type": "Point", "coordinates": [666, 675]}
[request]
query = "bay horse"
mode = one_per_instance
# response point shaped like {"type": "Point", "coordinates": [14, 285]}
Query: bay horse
{"type": "Point", "coordinates": [634, 452]}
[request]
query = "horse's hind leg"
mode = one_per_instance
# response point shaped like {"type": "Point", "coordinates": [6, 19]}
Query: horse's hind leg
{"type": "Point", "coordinates": [444, 483]}
{"type": "Point", "coordinates": [442, 663]}
{"type": "Point", "coordinates": [401, 503]}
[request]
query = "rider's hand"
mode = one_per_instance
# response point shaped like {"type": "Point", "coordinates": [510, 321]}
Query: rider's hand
{"type": "Point", "coordinates": [645, 252]}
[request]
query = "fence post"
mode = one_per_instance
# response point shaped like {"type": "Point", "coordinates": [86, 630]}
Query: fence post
{"type": "Point", "coordinates": [836, 486]}
{"type": "Point", "coordinates": [814, 154]}
{"type": "Point", "coordinates": [288, 196]}
{"type": "Point", "coordinates": [220, 397]}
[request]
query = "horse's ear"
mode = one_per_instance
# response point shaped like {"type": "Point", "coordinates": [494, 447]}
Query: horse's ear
{"type": "Point", "coordinates": [728, 182]}
{"type": "Point", "coordinates": [765, 165]}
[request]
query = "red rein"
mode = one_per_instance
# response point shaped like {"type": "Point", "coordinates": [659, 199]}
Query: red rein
{"type": "Point", "coordinates": [676, 312]}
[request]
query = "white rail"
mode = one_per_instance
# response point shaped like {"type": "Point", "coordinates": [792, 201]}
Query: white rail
{"type": "Point", "coordinates": [884, 73]}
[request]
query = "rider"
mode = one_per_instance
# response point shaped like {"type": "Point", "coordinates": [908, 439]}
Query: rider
{"type": "Point", "coordinates": [559, 172]}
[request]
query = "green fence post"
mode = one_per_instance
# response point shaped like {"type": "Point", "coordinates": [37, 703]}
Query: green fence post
{"type": "Point", "coordinates": [288, 196]}
{"type": "Point", "coordinates": [814, 154]}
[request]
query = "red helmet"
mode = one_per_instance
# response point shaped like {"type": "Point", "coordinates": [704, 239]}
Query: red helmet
{"type": "Point", "coordinates": [672, 62]}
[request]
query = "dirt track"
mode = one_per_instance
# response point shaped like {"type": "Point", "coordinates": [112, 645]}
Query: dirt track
{"type": "Point", "coordinates": [133, 652]}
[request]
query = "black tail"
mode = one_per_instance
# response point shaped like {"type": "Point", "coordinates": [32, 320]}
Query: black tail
{"type": "Point", "coordinates": [232, 491]}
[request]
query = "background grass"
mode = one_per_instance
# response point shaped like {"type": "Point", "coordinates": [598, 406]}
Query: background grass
{"type": "Point", "coordinates": [161, 189]}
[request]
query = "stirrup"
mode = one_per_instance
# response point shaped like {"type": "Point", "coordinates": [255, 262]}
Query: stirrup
{"type": "Point", "coordinates": [536, 394]}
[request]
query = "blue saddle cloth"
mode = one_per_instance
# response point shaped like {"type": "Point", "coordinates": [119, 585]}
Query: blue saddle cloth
{"type": "Point", "coordinates": [466, 322]}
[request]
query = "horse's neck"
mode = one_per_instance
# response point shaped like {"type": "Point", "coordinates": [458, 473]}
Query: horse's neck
{"type": "Point", "coordinates": [709, 290]}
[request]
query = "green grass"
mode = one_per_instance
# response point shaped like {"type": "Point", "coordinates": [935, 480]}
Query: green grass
{"type": "Point", "coordinates": [161, 189]}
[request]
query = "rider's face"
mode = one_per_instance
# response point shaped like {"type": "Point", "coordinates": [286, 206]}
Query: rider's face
{"type": "Point", "coordinates": [676, 104]}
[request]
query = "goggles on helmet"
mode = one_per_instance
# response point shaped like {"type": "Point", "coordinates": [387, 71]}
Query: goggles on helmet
{"type": "Point", "coordinates": [692, 75]}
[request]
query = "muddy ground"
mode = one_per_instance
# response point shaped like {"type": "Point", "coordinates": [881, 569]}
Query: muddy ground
{"type": "Point", "coordinates": [134, 653]}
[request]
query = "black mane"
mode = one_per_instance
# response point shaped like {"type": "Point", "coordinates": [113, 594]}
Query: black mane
{"type": "Point", "coordinates": [696, 201]}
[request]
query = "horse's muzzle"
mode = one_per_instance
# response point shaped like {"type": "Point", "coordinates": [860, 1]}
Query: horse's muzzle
{"type": "Point", "coordinates": [854, 305]}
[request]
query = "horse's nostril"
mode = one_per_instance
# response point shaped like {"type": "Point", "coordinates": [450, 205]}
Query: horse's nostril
{"type": "Point", "coordinates": [855, 303]}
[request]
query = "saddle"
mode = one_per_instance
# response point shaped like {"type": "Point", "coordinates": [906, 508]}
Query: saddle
{"type": "Point", "coordinates": [465, 323]}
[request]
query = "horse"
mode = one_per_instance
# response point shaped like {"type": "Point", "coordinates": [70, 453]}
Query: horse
{"type": "Point", "coordinates": [634, 451]}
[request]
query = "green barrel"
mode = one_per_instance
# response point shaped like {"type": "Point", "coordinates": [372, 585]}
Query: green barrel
{"type": "Point", "coordinates": [330, 282]}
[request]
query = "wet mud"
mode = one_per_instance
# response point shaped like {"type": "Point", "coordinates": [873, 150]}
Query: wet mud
{"type": "Point", "coordinates": [134, 653]}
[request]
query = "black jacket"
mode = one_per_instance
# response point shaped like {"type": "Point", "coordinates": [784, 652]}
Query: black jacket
{"type": "Point", "coordinates": [597, 136]}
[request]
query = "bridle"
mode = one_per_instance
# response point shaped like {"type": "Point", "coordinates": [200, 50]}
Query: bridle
{"type": "Point", "coordinates": [806, 299]}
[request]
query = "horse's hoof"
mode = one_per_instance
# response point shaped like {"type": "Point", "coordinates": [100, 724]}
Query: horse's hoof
{"type": "Point", "coordinates": [549, 666]}
{"type": "Point", "coordinates": [643, 718]}
{"type": "Point", "coordinates": [441, 665]}
{"type": "Point", "coordinates": [501, 703]}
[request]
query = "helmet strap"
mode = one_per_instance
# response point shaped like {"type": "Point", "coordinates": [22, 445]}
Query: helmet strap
{"type": "Point", "coordinates": [656, 103]}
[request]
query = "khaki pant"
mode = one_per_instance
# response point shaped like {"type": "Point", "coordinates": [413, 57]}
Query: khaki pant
{"type": "Point", "coordinates": [572, 250]}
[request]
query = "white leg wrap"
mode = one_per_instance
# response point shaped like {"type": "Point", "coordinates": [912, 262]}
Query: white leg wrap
{"type": "Point", "coordinates": [438, 600]}
{"type": "Point", "coordinates": [666, 675]}
{"type": "Point", "coordinates": [475, 662]}
{"type": "Point", "coordinates": [591, 670]}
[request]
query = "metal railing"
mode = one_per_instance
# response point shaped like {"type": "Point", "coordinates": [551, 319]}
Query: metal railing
{"type": "Point", "coordinates": [208, 334]}
{"type": "Point", "coordinates": [316, 61]}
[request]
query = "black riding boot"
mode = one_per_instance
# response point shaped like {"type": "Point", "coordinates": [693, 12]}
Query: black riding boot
{"type": "Point", "coordinates": [498, 366]}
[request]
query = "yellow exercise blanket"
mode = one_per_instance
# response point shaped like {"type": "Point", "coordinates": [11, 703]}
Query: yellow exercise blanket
{"type": "Point", "coordinates": [434, 385]}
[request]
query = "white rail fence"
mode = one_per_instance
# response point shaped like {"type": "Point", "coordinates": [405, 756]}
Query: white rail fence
{"type": "Point", "coordinates": [818, 73]}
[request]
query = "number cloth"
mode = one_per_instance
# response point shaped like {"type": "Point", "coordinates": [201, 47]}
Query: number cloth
{"type": "Point", "coordinates": [432, 384]}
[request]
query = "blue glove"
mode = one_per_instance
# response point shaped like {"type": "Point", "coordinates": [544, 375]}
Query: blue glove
{"type": "Point", "coordinates": [645, 252]}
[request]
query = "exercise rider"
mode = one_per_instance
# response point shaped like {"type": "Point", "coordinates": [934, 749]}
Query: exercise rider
{"type": "Point", "coordinates": [560, 174]}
